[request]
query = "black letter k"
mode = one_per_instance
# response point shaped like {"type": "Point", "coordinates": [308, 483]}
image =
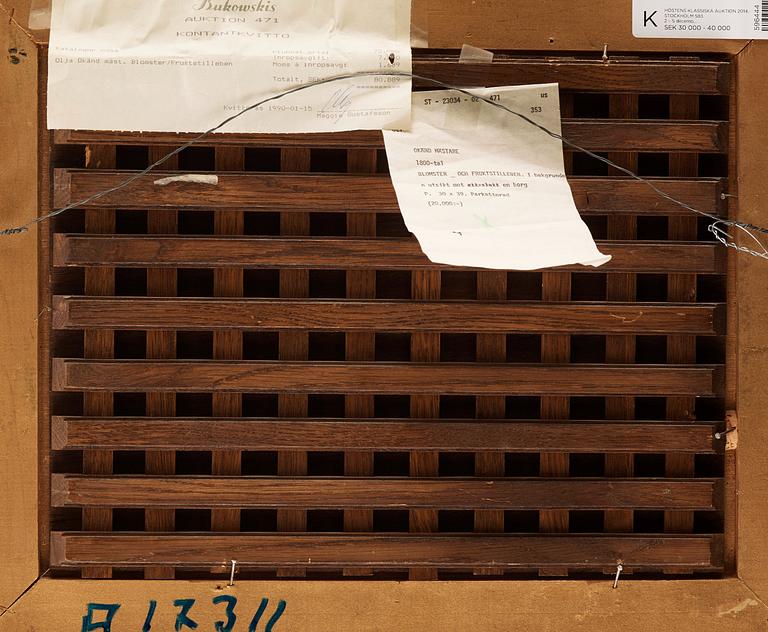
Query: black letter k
{"type": "Point", "coordinates": [649, 18]}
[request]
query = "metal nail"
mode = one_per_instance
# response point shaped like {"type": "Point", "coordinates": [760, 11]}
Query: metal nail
{"type": "Point", "coordinates": [619, 568]}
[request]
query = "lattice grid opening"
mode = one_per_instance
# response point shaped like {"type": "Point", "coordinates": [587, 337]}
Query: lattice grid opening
{"type": "Point", "coordinates": [269, 370]}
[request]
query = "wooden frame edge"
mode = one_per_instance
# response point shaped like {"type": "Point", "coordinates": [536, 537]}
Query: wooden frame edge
{"type": "Point", "coordinates": [716, 605]}
{"type": "Point", "coordinates": [18, 314]}
{"type": "Point", "coordinates": [752, 338]}
{"type": "Point", "coordinates": [694, 605]}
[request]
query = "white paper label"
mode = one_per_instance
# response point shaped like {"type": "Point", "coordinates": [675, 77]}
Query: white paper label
{"type": "Point", "coordinates": [186, 65]}
{"type": "Point", "coordinates": [480, 187]}
{"type": "Point", "coordinates": [702, 19]}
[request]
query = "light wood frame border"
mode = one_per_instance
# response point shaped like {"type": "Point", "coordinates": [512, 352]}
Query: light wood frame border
{"type": "Point", "coordinates": [31, 602]}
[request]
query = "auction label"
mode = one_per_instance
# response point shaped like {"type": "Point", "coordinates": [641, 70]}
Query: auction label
{"type": "Point", "coordinates": [483, 188]}
{"type": "Point", "coordinates": [702, 19]}
{"type": "Point", "coordinates": [186, 65]}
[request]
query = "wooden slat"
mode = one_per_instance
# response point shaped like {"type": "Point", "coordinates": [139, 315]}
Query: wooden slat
{"type": "Point", "coordinates": [595, 135]}
{"type": "Point", "coordinates": [394, 316]}
{"type": "Point", "coordinates": [654, 77]}
{"type": "Point", "coordinates": [413, 378]}
{"type": "Point", "coordinates": [621, 349]}
{"type": "Point", "coordinates": [383, 435]}
{"type": "Point", "coordinates": [379, 493]}
{"type": "Point", "coordinates": [161, 344]}
{"type": "Point", "coordinates": [350, 254]}
{"type": "Point", "coordinates": [360, 193]}
{"type": "Point", "coordinates": [99, 281]}
{"type": "Point", "coordinates": [425, 348]}
{"type": "Point", "coordinates": [582, 75]}
{"type": "Point", "coordinates": [648, 136]}
{"type": "Point", "coordinates": [491, 347]}
{"type": "Point", "coordinates": [227, 342]}
{"type": "Point", "coordinates": [555, 348]}
{"type": "Point", "coordinates": [293, 345]}
{"type": "Point", "coordinates": [682, 288]}
{"type": "Point", "coordinates": [384, 551]}
{"type": "Point", "coordinates": [360, 346]}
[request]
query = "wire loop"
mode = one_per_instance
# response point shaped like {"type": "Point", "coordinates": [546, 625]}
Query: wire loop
{"type": "Point", "coordinates": [721, 234]}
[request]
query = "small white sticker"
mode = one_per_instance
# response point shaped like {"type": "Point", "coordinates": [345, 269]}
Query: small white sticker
{"type": "Point", "coordinates": [702, 19]}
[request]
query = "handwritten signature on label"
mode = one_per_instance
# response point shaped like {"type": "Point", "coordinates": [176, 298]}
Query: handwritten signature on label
{"type": "Point", "coordinates": [101, 616]}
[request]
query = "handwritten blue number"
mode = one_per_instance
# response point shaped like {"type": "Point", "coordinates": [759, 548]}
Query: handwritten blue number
{"type": "Point", "coordinates": [150, 615]}
{"type": "Point", "coordinates": [182, 619]}
{"type": "Point", "coordinates": [231, 602]}
{"type": "Point", "coordinates": [272, 620]}
{"type": "Point", "coordinates": [257, 617]}
{"type": "Point", "coordinates": [275, 617]}
{"type": "Point", "coordinates": [106, 625]}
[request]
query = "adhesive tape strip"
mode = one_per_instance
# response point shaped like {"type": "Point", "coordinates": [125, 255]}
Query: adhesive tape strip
{"type": "Point", "coordinates": [40, 15]}
{"type": "Point", "coordinates": [419, 37]}
{"type": "Point", "coordinates": [473, 54]}
{"type": "Point", "coordinates": [419, 25]}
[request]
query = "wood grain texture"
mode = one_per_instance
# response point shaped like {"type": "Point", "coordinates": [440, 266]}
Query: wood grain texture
{"type": "Point", "coordinates": [555, 286]}
{"type": "Point", "coordinates": [621, 287]}
{"type": "Point", "coordinates": [595, 135]}
{"type": "Point", "coordinates": [350, 254]}
{"type": "Point", "coordinates": [385, 551]}
{"type": "Point", "coordinates": [355, 193]}
{"type": "Point", "coordinates": [360, 346]}
{"type": "Point", "coordinates": [416, 378]}
{"type": "Point", "coordinates": [619, 76]}
{"type": "Point", "coordinates": [99, 281]}
{"type": "Point", "coordinates": [383, 435]}
{"type": "Point", "coordinates": [23, 386]}
{"type": "Point", "coordinates": [161, 344]}
{"type": "Point", "coordinates": [683, 288]}
{"type": "Point", "coordinates": [583, 75]}
{"type": "Point", "coordinates": [491, 286]}
{"type": "Point", "coordinates": [293, 346]}
{"type": "Point", "coordinates": [379, 493]}
{"type": "Point", "coordinates": [360, 316]}
{"type": "Point", "coordinates": [425, 348]}
{"type": "Point", "coordinates": [227, 342]}
{"type": "Point", "coordinates": [316, 340]}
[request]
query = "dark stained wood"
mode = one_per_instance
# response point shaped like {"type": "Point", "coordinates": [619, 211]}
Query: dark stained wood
{"type": "Point", "coordinates": [386, 551]}
{"type": "Point", "coordinates": [595, 135]}
{"type": "Point", "coordinates": [491, 286]}
{"type": "Point", "coordinates": [351, 254]}
{"type": "Point", "coordinates": [161, 344]}
{"type": "Point", "coordinates": [99, 281]}
{"type": "Point", "coordinates": [354, 193]}
{"type": "Point", "coordinates": [491, 318]}
{"type": "Point", "coordinates": [425, 348]}
{"type": "Point", "coordinates": [416, 378]}
{"type": "Point", "coordinates": [682, 288]}
{"type": "Point", "coordinates": [665, 77]}
{"type": "Point", "coordinates": [360, 346]}
{"type": "Point", "coordinates": [373, 493]}
{"type": "Point", "coordinates": [620, 349]}
{"type": "Point", "coordinates": [383, 435]}
{"type": "Point", "coordinates": [293, 345]}
{"type": "Point", "coordinates": [582, 75]}
{"type": "Point", "coordinates": [227, 342]}
{"type": "Point", "coordinates": [337, 278]}
{"type": "Point", "coordinates": [555, 348]}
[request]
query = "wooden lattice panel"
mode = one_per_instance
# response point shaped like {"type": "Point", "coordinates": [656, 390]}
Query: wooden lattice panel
{"type": "Point", "coordinates": [269, 370]}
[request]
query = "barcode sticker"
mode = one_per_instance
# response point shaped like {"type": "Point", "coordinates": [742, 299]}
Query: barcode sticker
{"type": "Point", "coordinates": [701, 19]}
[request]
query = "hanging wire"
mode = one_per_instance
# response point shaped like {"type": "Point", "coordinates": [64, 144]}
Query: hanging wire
{"type": "Point", "coordinates": [718, 227]}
